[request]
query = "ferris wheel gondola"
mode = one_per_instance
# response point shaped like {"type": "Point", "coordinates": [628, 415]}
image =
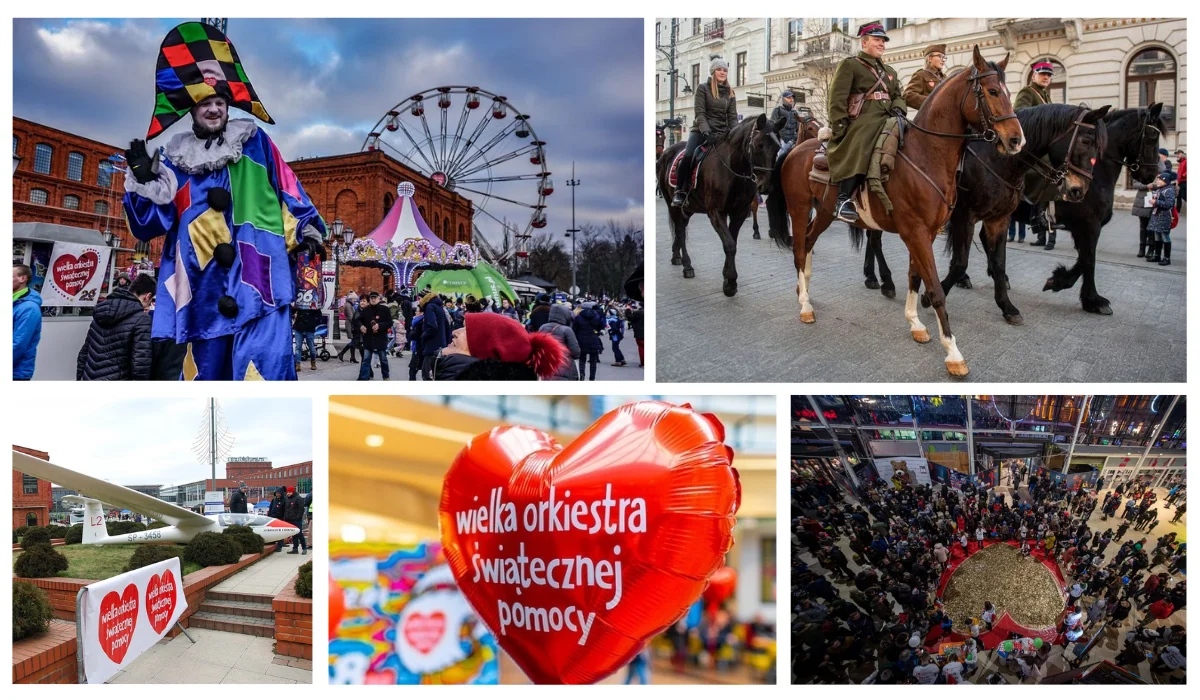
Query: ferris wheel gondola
{"type": "Point", "coordinates": [489, 153]}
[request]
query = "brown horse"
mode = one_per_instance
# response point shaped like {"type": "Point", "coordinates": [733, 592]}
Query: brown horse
{"type": "Point", "coordinates": [922, 188]}
{"type": "Point", "coordinates": [809, 128]}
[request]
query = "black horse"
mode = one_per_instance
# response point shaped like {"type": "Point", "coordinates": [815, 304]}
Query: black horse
{"type": "Point", "coordinates": [1133, 144]}
{"type": "Point", "coordinates": [990, 187]}
{"type": "Point", "coordinates": [732, 174]}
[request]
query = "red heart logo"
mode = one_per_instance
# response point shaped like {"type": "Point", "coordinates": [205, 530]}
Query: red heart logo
{"type": "Point", "coordinates": [72, 274]}
{"type": "Point", "coordinates": [117, 620]}
{"type": "Point", "coordinates": [161, 596]}
{"type": "Point", "coordinates": [423, 632]}
{"type": "Point", "coordinates": [575, 556]}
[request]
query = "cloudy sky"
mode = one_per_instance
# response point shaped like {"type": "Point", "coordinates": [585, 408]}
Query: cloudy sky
{"type": "Point", "coordinates": [326, 82]}
{"type": "Point", "coordinates": [149, 441]}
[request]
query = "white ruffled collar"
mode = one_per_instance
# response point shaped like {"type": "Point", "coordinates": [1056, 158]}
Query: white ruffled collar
{"type": "Point", "coordinates": [187, 152]}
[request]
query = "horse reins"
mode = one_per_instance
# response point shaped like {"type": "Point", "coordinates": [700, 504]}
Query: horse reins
{"type": "Point", "coordinates": [989, 120]}
{"type": "Point", "coordinates": [1134, 167]}
{"type": "Point", "coordinates": [1057, 175]}
{"type": "Point", "coordinates": [749, 157]}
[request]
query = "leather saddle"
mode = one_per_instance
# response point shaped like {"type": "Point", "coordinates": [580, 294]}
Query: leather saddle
{"type": "Point", "coordinates": [820, 168]}
{"type": "Point", "coordinates": [697, 158]}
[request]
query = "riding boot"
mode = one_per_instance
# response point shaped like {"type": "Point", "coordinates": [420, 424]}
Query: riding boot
{"type": "Point", "coordinates": [1166, 255]}
{"type": "Point", "coordinates": [1052, 238]}
{"type": "Point", "coordinates": [1040, 225]}
{"type": "Point", "coordinates": [683, 180]}
{"type": "Point", "coordinates": [845, 209]}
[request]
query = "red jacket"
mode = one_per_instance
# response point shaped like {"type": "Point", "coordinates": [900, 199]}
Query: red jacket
{"type": "Point", "coordinates": [1181, 171]}
{"type": "Point", "coordinates": [1161, 609]}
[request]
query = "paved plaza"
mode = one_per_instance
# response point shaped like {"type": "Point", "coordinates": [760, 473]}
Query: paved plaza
{"type": "Point", "coordinates": [862, 336]}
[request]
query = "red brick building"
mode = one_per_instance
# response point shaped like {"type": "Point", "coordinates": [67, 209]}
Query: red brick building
{"type": "Point", "coordinates": [59, 180]}
{"type": "Point", "coordinates": [32, 497]}
{"type": "Point", "coordinates": [360, 188]}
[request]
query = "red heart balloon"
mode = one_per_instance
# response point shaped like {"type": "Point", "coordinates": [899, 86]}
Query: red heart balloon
{"type": "Point", "coordinates": [721, 585]}
{"type": "Point", "coordinates": [117, 619]}
{"type": "Point", "coordinates": [161, 596]}
{"type": "Point", "coordinates": [575, 556]}
{"type": "Point", "coordinates": [337, 606]}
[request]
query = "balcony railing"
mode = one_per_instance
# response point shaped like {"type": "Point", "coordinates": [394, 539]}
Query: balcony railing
{"type": "Point", "coordinates": [834, 44]}
{"type": "Point", "coordinates": [714, 30]}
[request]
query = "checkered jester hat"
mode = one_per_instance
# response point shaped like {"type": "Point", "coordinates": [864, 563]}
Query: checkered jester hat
{"type": "Point", "coordinates": [196, 61]}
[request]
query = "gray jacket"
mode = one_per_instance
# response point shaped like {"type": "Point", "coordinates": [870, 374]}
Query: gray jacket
{"type": "Point", "coordinates": [1140, 209]}
{"type": "Point", "coordinates": [559, 326]}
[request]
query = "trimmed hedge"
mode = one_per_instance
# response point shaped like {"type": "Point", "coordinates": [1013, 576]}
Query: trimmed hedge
{"type": "Point", "coordinates": [31, 613]}
{"type": "Point", "coordinates": [213, 549]}
{"type": "Point", "coordinates": [304, 581]}
{"type": "Point", "coordinates": [40, 561]}
{"type": "Point", "coordinates": [249, 541]}
{"type": "Point", "coordinates": [156, 524]}
{"type": "Point", "coordinates": [35, 536]}
{"type": "Point", "coordinates": [148, 554]}
{"type": "Point", "coordinates": [124, 527]}
{"type": "Point", "coordinates": [57, 532]}
{"type": "Point", "coordinates": [74, 534]}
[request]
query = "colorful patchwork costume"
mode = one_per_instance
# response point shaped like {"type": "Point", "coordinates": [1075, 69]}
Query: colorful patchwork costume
{"type": "Point", "coordinates": [231, 211]}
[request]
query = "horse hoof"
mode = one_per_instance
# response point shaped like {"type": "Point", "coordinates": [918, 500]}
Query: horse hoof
{"type": "Point", "coordinates": [757, 237]}
{"type": "Point", "coordinates": [729, 289]}
{"type": "Point", "coordinates": [965, 283]}
{"type": "Point", "coordinates": [1015, 320]}
{"type": "Point", "coordinates": [957, 368]}
{"type": "Point", "coordinates": [871, 283]}
{"type": "Point", "coordinates": [1050, 286]}
{"type": "Point", "coordinates": [1103, 310]}
{"type": "Point", "coordinates": [921, 336]}
{"type": "Point", "coordinates": [925, 302]}
{"type": "Point", "coordinates": [676, 260]}
{"type": "Point", "coordinates": [688, 273]}
{"type": "Point", "coordinates": [889, 292]}
{"type": "Point", "coordinates": [808, 317]}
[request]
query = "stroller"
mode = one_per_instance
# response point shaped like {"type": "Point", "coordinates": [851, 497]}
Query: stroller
{"type": "Point", "coordinates": [320, 341]}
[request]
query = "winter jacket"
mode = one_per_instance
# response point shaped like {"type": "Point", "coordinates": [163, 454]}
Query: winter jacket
{"type": "Point", "coordinates": [464, 368]}
{"type": "Point", "coordinates": [715, 116]}
{"type": "Point", "coordinates": [237, 502]}
{"type": "Point", "coordinates": [276, 509]}
{"type": "Point", "coordinates": [435, 333]}
{"type": "Point", "coordinates": [1140, 208]}
{"type": "Point", "coordinates": [588, 325]}
{"type": "Point", "coordinates": [293, 509]}
{"type": "Point", "coordinates": [560, 327]}
{"type": "Point", "coordinates": [348, 310]}
{"type": "Point", "coordinates": [637, 321]}
{"type": "Point", "coordinates": [118, 343]}
{"type": "Point", "coordinates": [381, 316]}
{"type": "Point", "coordinates": [27, 333]}
{"type": "Point", "coordinates": [307, 320]}
{"type": "Point", "coordinates": [539, 317]}
{"type": "Point", "coordinates": [1164, 202]}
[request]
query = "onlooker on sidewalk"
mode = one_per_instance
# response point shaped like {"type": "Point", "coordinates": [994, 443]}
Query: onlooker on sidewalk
{"type": "Point", "coordinates": [588, 325]}
{"type": "Point", "coordinates": [27, 323]}
{"type": "Point", "coordinates": [435, 332]}
{"type": "Point", "coordinates": [1163, 204]}
{"type": "Point", "coordinates": [118, 345]}
{"type": "Point", "coordinates": [559, 326]}
{"type": "Point", "coordinates": [353, 339]}
{"type": "Point", "coordinates": [293, 513]}
{"type": "Point", "coordinates": [303, 329]}
{"type": "Point", "coordinates": [375, 320]}
{"type": "Point", "coordinates": [1141, 209]}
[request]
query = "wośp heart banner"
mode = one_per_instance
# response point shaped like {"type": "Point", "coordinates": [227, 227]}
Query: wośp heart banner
{"type": "Point", "coordinates": [121, 617]}
{"type": "Point", "coordinates": [75, 275]}
{"type": "Point", "coordinates": [576, 556]}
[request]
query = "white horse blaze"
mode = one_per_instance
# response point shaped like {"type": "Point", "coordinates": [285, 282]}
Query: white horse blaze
{"type": "Point", "coordinates": [910, 312]}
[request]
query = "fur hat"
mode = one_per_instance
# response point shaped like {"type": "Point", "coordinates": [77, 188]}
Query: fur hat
{"type": "Point", "coordinates": [498, 337]}
{"type": "Point", "coordinates": [715, 63]}
{"type": "Point", "coordinates": [430, 296]}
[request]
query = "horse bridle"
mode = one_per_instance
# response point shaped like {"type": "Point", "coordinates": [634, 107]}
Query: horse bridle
{"type": "Point", "coordinates": [1135, 166]}
{"type": "Point", "coordinates": [985, 112]}
{"type": "Point", "coordinates": [1057, 175]}
{"type": "Point", "coordinates": [750, 157]}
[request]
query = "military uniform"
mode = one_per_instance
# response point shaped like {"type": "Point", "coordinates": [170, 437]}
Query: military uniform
{"type": "Point", "coordinates": [924, 80]}
{"type": "Point", "coordinates": [853, 140]}
{"type": "Point", "coordinates": [1032, 95]}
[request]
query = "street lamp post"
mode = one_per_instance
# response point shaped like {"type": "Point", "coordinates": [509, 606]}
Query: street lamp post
{"type": "Point", "coordinates": [670, 54]}
{"type": "Point", "coordinates": [333, 233]}
{"type": "Point", "coordinates": [573, 232]}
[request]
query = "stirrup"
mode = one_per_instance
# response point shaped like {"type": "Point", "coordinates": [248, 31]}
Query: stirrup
{"type": "Point", "coordinates": [841, 215]}
{"type": "Point", "coordinates": [680, 198]}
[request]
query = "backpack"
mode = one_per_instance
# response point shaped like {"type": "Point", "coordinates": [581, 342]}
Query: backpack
{"type": "Point", "coordinates": [1174, 217]}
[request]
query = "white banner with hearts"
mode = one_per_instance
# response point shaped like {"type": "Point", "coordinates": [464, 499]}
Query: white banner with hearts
{"type": "Point", "coordinates": [75, 275]}
{"type": "Point", "coordinates": [119, 618]}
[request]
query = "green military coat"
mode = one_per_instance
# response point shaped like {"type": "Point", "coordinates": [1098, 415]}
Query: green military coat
{"type": "Point", "coordinates": [920, 85]}
{"type": "Point", "coordinates": [853, 140]}
{"type": "Point", "coordinates": [1032, 95]}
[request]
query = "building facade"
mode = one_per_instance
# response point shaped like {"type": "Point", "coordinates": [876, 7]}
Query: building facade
{"type": "Point", "coordinates": [65, 178]}
{"type": "Point", "coordinates": [260, 477]}
{"type": "Point", "coordinates": [1124, 62]}
{"type": "Point", "coordinates": [32, 497]}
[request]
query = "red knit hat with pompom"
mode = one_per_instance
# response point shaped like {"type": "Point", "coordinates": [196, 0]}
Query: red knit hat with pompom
{"type": "Point", "coordinates": [498, 337]}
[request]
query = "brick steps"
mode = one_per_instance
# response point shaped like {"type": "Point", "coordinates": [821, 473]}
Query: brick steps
{"type": "Point", "coordinates": [237, 623]}
{"type": "Point", "coordinates": [257, 598]}
{"type": "Point", "coordinates": [261, 611]}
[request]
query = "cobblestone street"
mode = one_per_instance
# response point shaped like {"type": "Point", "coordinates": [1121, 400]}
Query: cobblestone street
{"type": "Point", "coordinates": [862, 336]}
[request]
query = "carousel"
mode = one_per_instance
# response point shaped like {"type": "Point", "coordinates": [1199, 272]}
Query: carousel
{"type": "Point", "coordinates": [404, 245]}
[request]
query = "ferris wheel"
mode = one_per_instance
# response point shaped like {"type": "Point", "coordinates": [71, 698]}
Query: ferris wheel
{"type": "Point", "coordinates": [478, 144]}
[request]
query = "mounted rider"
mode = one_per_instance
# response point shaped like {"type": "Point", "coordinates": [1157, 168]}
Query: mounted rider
{"type": "Point", "coordinates": [926, 79]}
{"type": "Point", "coordinates": [786, 110]}
{"type": "Point", "coordinates": [864, 93]}
{"type": "Point", "coordinates": [1037, 93]}
{"type": "Point", "coordinates": [716, 114]}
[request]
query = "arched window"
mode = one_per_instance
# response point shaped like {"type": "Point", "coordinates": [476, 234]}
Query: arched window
{"type": "Point", "coordinates": [31, 519]}
{"type": "Point", "coordinates": [70, 201]}
{"type": "Point", "coordinates": [422, 210]}
{"type": "Point", "coordinates": [100, 207]}
{"type": "Point", "coordinates": [104, 174]}
{"type": "Point", "coordinates": [446, 229]}
{"type": "Point", "coordinates": [1058, 81]}
{"type": "Point", "coordinates": [75, 166]}
{"type": "Point", "coordinates": [462, 235]}
{"type": "Point", "coordinates": [43, 153]}
{"type": "Point", "coordinates": [39, 196]}
{"type": "Point", "coordinates": [16, 142]}
{"type": "Point", "coordinates": [1150, 77]}
{"type": "Point", "coordinates": [388, 200]}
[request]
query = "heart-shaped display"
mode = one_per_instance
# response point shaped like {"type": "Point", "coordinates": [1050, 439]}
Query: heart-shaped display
{"type": "Point", "coordinates": [574, 557]}
{"type": "Point", "coordinates": [72, 274]}
{"type": "Point", "coordinates": [423, 632]}
{"type": "Point", "coordinates": [161, 597]}
{"type": "Point", "coordinates": [116, 622]}
{"type": "Point", "coordinates": [720, 586]}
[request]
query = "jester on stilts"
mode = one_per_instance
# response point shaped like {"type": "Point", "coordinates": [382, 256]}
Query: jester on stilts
{"type": "Point", "coordinates": [236, 222]}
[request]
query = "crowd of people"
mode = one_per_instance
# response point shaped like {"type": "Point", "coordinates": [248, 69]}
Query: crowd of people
{"type": "Point", "coordinates": [439, 332]}
{"type": "Point", "coordinates": [872, 617]}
